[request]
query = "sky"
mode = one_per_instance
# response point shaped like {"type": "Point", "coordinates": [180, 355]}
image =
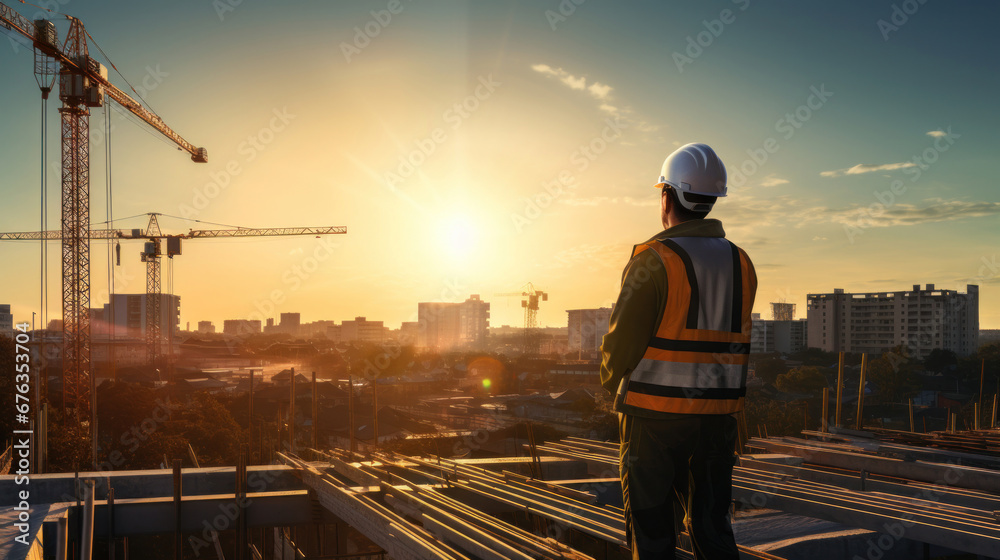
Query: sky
{"type": "Point", "coordinates": [473, 147]}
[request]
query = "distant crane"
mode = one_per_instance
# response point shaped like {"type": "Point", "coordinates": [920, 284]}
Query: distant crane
{"type": "Point", "coordinates": [152, 252]}
{"type": "Point", "coordinates": [532, 297]}
{"type": "Point", "coordinates": [83, 83]}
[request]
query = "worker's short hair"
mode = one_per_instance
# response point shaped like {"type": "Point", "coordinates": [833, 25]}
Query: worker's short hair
{"type": "Point", "coordinates": [682, 212]}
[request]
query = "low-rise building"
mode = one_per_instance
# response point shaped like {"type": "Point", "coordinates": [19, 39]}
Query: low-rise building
{"type": "Point", "coordinates": [362, 330]}
{"type": "Point", "coordinates": [241, 327]}
{"type": "Point", "coordinates": [6, 321]}
{"type": "Point", "coordinates": [289, 323]}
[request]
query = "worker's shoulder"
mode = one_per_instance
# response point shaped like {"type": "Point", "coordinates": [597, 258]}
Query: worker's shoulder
{"type": "Point", "coordinates": [645, 260]}
{"type": "Point", "coordinates": [742, 251]}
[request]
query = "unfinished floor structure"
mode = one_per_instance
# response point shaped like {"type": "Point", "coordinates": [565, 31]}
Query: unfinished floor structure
{"type": "Point", "coordinates": [563, 501]}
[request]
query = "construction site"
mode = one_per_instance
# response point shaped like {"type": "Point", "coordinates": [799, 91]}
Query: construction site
{"type": "Point", "coordinates": [845, 494]}
{"type": "Point", "coordinates": [441, 441]}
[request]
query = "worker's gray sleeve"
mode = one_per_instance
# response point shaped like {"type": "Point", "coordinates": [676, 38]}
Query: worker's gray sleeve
{"type": "Point", "coordinates": [635, 317]}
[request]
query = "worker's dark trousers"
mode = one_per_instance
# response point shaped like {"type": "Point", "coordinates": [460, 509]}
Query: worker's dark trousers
{"type": "Point", "coordinates": [687, 461]}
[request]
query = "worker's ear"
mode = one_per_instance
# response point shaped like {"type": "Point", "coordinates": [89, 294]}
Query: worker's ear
{"type": "Point", "coordinates": [666, 202]}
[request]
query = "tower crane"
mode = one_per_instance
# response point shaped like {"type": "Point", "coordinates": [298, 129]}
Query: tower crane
{"type": "Point", "coordinates": [152, 253]}
{"type": "Point", "coordinates": [532, 298]}
{"type": "Point", "coordinates": [83, 83]}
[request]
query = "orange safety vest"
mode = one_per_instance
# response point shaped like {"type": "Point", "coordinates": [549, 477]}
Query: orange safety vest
{"type": "Point", "coordinates": [696, 362]}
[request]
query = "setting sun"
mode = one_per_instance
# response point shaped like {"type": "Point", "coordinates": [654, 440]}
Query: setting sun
{"type": "Point", "coordinates": [457, 236]}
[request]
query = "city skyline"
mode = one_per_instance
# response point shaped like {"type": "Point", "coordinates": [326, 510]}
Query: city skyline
{"type": "Point", "coordinates": [474, 149]}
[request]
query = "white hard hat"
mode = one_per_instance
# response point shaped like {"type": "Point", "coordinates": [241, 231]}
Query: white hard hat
{"type": "Point", "coordinates": [695, 169]}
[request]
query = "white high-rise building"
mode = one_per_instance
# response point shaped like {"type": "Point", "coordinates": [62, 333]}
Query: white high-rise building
{"type": "Point", "coordinates": [444, 325]}
{"type": "Point", "coordinates": [786, 337]}
{"type": "Point", "coordinates": [587, 328]}
{"type": "Point", "coordinates": [875, 322]}
{"type": "Point", "coordinates": [127, 313]}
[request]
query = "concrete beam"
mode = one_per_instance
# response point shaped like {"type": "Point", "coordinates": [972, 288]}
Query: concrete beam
{"type": "Point", "coordinates": [59, 487]}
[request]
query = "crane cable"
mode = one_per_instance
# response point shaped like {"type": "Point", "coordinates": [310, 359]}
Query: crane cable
{"type": "Point", "coordinates": [204, 222]}
{"type": "Point", "coordinates": [109, 209]}
{"type": "Point", "coordinates": [92, 224]}
{"type": "Point", "coordinates": [44, 281]}
{"type": "Point", "coordinates": [40, 376]}
{"type": "Point", "coordinates": [108, 58]}
{"type": "Point", "coordinates": [51, 11]}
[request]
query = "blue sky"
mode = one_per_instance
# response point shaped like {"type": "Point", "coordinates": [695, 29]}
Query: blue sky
{"type": "Point", "coordinates": [883, 181]}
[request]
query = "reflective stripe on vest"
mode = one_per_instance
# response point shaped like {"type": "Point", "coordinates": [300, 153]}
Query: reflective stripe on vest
{"type": "Point", "coordinates": [697, 361]}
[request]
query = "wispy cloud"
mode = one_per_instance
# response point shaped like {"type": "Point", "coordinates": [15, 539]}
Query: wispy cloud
{"type": "Point", "coordinates": [866, 168]}
{"type": "Point", "coordinates": [931, 210]}
{"type": "Point", "coordinates": [592, 256]}
{"type": "Point", "coordinates": [752, 213]}
{"type": "Point", "coordinates": [604, 200]}
{"type": "Point", "coordinates": [599, 91]}
{"type": "Point", "coordinates": [773, 180]}
{"type": "Point", "coordinates": [937, 133]}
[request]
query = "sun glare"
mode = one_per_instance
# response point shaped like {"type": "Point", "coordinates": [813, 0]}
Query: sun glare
{"type": "Point", "coordinates": [458, 236]}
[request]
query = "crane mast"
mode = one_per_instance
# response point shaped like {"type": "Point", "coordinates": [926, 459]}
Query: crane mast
{"type": "Point", "coordinates": [83, 84]}
{"type": "Point", "coordinates": [532, 297]}
{"type": "Point", "coordinates": [74, 126]}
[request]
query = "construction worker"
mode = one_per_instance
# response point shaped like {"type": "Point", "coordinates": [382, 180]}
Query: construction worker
{"type": "Point", "coordinates": [675, 357]}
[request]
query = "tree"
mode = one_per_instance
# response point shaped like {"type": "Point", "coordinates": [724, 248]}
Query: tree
{"type": "Point", "coordinates": [985, 361]}
{"type": "Point", "coordinates": [804, 379]}
{"type": "Point", "coordinates": [773, 418]}
{"type": "Point", "coordinates": [768, 369]}
{"type": "Point", "coordinates": [939, 360]}
{"type": "Point", "coordinates": [7, 371]}
{"type": "Point", "coordinates": [134, 424]}
{"type": "Point", "coordinates": [815, 357]}
{"type": "Point", "coordinates": [69, 444]}
{"type": "Point", "coordinates": [211, 430]}
{"type": "Point", "coordinates": [895, 379]}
